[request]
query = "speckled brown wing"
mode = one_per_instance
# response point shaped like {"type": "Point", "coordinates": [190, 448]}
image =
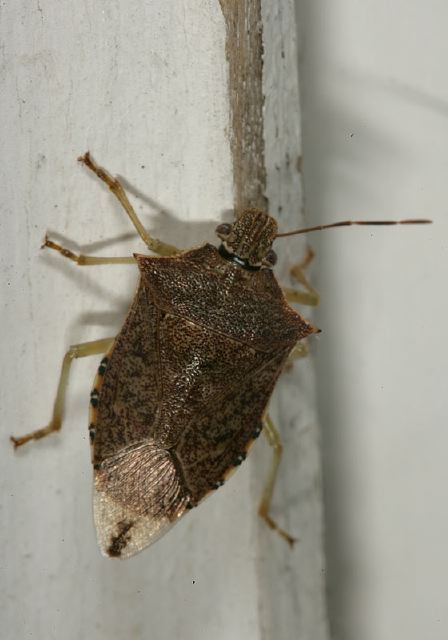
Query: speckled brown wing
{"type": "Point", "coordinates": [218, 440]}
{"type": "Point", "coordinates": [127, 388]}
{"type": "Point", "coordinates": [138, 491]}
{"type": "Point", "coordinates": [180, 397]}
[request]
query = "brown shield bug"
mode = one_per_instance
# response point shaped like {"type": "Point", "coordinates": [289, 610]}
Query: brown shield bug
{"type": "Point", "coordinates": [182, 391]}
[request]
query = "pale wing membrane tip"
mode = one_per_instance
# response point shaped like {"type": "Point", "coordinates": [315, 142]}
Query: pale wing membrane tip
{"type": "Point", "coordinates": [138, 496]}
{"type": "Point", "coordinates": [122, 534]}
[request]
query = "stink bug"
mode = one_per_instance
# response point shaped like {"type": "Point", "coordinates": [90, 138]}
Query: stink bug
{"type": "Point", "coordinates": [182, 391]}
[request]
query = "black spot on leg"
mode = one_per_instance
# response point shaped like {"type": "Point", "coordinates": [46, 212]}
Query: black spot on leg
{"type": "Point", "coordinates": [120, 541]}
{"type": "Point", "coordinates": [92, 433]}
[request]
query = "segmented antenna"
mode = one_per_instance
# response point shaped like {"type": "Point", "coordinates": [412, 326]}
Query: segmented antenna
{"type": "Point", "coordinates": [348, 223]}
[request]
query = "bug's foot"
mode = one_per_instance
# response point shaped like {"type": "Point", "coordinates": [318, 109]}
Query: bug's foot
{"type": "Point", "coordinates": [17, 442]}
{"type": "Point", "coordinates": [49, 244]}
{"type": "Point", "coordinates": [34, 435]}
{"type": "Point", "coordinates": [85, 158]}
{"type": "Point", "coordinates": [274, 526]}
{"type": "Point", "coordinates": [285, 535]}
{"type": "Point", "coordinates": [102, 174]}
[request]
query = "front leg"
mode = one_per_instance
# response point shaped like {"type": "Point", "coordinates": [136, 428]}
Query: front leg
{"type": "Point", "coordinates": [309, 295]}
{"type": "Point", "coordinates": [159, 247]}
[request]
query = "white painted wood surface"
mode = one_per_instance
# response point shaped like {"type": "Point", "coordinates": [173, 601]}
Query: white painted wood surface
{"type": "Point", "coordinates": [143, 86]}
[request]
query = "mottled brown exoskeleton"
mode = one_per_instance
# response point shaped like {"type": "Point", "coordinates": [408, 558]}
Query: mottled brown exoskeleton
{"type": "Point", "coordinates": [182, 392]}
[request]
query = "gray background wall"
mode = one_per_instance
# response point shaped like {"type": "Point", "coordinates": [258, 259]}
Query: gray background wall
{"type": "Point", "coordinates": [375, 100]}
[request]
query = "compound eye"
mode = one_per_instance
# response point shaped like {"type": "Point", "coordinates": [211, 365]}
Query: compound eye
{"type": "Point", "coordinates": [223, 230]}
{"type": "Point", "coordinates": [270, 258]}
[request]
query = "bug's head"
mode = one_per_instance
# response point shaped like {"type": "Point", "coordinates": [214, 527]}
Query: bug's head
{"type": "Point", "coordinates": [250, 238]}
{"type": "Point", "coordinates": [248, 241]}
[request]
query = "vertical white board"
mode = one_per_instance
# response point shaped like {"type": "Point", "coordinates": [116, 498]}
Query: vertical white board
{"type": "Point", "coordinates": [143, 86]}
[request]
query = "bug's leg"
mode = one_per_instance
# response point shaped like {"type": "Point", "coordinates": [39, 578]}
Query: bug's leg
{"type": "Point", "coordinates": [309, 295]}
{"type": "Point", "coordinates": [83, 260]}
{"type": "Point", "coordinates": [162, 248]}
{"type": "Point", "coordinates": [300, 350]}
{"type": "Point", "coordinates": [274, 440]}
{"type": "Point", "coordinates": [75, 351]}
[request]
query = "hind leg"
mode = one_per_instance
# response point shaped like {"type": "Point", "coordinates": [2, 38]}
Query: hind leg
{"type": "Point", "coordinates": [275, 442]}
{"type": "Point", "coordinates": [75, 351]}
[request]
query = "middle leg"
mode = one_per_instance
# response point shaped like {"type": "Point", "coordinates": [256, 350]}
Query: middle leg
{"type": "Point", "coordinates": [82, 260]}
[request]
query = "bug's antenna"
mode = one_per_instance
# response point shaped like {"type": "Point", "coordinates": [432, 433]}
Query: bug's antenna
{"type": "Point", "coordinates": [348, 223]}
